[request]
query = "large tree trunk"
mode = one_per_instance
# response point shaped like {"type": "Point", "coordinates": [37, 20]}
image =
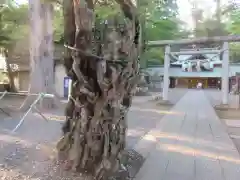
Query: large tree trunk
{"type": "Point", "coordinates": [95, 128]}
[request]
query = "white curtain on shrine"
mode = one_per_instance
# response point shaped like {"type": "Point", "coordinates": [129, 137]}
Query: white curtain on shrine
{"type": "Point", "coordinates": [206, 65]}
{"type": "Point", "coordinates": [189, 67]}
{"type": "Point", "coordinates": [198, 66]}
{"type": "Point", "coordinates": [211, 65]}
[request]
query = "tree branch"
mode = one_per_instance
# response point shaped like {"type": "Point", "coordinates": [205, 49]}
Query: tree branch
{"type": "Point", "coordinates": [128, 8]}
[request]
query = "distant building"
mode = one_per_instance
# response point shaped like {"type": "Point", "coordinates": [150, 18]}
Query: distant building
{"type": "Point", "coordinates": [187, 70]}
{"type": "Point", "coordinates": [19, 59]}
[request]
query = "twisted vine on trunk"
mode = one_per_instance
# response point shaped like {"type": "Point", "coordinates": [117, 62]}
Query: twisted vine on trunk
{"type": "Point", "coordinates": [104, 68]}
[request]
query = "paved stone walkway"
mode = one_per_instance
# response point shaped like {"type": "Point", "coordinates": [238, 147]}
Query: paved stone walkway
{"type": "Point", "coordinates": [190, 143]}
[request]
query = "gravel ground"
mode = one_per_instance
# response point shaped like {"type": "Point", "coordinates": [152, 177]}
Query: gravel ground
{"type": "Point", "coordinates": [30, 153]}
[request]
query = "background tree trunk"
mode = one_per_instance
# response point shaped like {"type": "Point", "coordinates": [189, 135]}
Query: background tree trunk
{"type": "Point", "coordinates": [41, 51]}
{"type": "Point", "coordinates": [95, 128]}
{"type": "Point", "coordinates": [47, 54]}
{"type": "Point", "coordinates": [218, 11]}
{"type": "Point", "coordinates": [9, 72]}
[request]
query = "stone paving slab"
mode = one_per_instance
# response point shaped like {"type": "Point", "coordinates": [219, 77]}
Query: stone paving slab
{"type": "Point", "coordinates": [189, 143]}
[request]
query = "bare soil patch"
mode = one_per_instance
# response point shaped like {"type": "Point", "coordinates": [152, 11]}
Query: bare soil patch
{"type": "Point", "coordinates": [30, 154]}
{"type": "Point", "coordinates": [230, 114]}
{"type": "Point", "coordinates": [227, 113]}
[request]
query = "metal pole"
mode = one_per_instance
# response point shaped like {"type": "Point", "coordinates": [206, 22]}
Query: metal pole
{"type": "Point", "coordinates": [3, 94]}
{"type": "Point", "coordinates": [69, 89]}
{"type": "Point", "coordinates": [225, 74]}
{"type": "Point", "coordinates": [40, 96]}
{"type": "Point", "coordinates": [29, 94]}
{"type": "Point", "coordinates": [33, 106]}
{"type": "Point", "coordinates": [166, 73]}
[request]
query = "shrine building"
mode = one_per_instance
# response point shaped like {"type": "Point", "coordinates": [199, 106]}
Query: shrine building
{"type": "Point", "coordinates": [187, 70]}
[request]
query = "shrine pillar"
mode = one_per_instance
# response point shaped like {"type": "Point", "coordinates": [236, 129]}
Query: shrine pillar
{"type": "Point", "coordinates": [225, 74]}
{"type": "Point", "coordinates": [166, 73]}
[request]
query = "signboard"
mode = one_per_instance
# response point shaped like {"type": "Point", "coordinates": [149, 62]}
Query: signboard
{"type": "Point", "coordinates": [66, 82]}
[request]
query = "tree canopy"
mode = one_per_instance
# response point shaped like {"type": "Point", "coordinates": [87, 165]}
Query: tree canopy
{"type": "Point", "coordinates": [161, 23]}
{"type": "Point", "coordinates": [234, 28]}
{"type": "Point", "coordinates": [13, 27]}
{"type": "Point", "coordinates": [13, 22]}
{"type": "Point", "coordinates": [159, 20]}
{"type": "Point", "coordinates": [225, 21]}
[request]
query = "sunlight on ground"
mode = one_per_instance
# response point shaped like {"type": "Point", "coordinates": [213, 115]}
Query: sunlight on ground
{"type": "Point", "coordinates": [9, 139]}
{"type": "Point", "coordinates": [135, 132]}
{"type": "Point", "coordinates": [156, 111]}
{"type": "Point", "coordinates": [191, 151]}
{"type": "Point", "coordinates": [203, 142]}
{"type": "Point", "coordinates": [150, 137]}
{"type": "Point", "coordinates": [196, 152]}
{"type": "Point", "coordinates": [52, 117]}
{"type": "Point", "coordinates": [14, 140]}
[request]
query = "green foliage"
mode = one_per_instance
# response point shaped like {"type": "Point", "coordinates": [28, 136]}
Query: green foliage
{"type": "Point", "coordinates": [13, 20]}
{"type": "Point", "coordinates": [160, 23]}
{"type": "Point", "coordinates": [105, 11]}
{"type": "Point", "coordinates": [158, 29]}
{"type": "Point", "coordinates": [13, 23]}
{"type": "Point", "coordinates": [234, 28]}
{"type": "Point", "coordinates": [58, 24]}
{"type": "Point", "coordinates": [152, 56]}
{"type": "Point", "coordinates": [235, 52]}
{"type": "Point", "coordinates": [234, 25]}
{"type": "Point", "coordinates": [215, 26]}
{"type": "Point", "coordinates": [210, 27]}
{"type": "Point", "coordinates": [158, 20]}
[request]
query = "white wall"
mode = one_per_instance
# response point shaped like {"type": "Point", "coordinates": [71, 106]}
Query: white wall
{"type": "Point", "coordinates": [59, 77]}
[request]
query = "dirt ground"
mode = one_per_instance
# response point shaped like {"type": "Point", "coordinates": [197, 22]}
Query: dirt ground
{"type": "Point", "coordinates": [29, 154]}
{"type": "Point", "coordinates": [231, 115]}
{"type": "Point", "coordinates": [228, 113]}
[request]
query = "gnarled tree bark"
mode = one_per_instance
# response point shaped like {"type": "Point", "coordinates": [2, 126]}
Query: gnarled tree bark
{"type": "Point", "coordinates": [104, 75]}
